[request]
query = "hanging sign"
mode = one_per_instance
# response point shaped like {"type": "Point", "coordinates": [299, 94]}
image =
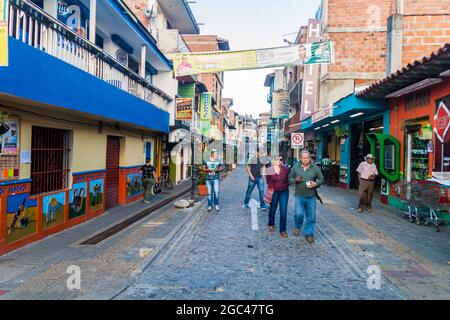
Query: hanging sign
{"type": "Point", "coordinates": [311, 75]}
{"type": "Point", "coordinates": [206, 107]}
{"type": "Point", "coordinates": [442, 122]}
{"type": "Point", "coordinates": [211, 62]}
{"type": "Point", "coordinates": [3, 33]}
{"type": "Point", "coordinates": [280, 105]}
{"type": "Point", "coordinates": [184, 109]}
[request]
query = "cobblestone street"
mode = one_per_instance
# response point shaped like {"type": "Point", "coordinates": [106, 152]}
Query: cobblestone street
{"type": "Point", "coordinates": [218, 256]}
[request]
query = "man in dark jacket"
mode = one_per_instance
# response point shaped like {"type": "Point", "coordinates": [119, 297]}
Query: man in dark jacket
{"type": "Point", "coordinates": [255, 170]}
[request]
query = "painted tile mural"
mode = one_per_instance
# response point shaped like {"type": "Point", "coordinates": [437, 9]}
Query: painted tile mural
{"type": "Point", "coordinates": [21, 217]}
{"type": "Point", "coordinates": [77, 200]}
{"type": "Point", "coordinates": [96, 188]}
{"type": "Point", "coordinates": [53, 209]}
{"type": "Point", "coordinates": [134, 184]}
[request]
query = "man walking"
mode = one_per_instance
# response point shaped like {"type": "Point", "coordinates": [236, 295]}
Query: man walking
{"type": "Point", "coordinates": [367, 172]}
{"type": "Point", "coordinates": [213, 167]}
{"type": "Point", "coordinates": [148, 179]}
{"type": "Point", "coordinates": [255, 170]}
{"type": "Point", "coordinates": [307, 177]}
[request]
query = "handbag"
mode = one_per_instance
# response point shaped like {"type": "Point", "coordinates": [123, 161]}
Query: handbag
{"type": "Point", "coordinates": [268, 195]}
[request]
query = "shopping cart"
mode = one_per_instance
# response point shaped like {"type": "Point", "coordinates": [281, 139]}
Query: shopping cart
{"type": "Point", "coordinates": [425, 201]}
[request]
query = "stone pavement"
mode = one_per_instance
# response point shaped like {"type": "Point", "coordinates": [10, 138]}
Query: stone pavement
{"type": "Point", "coordinates": [218, 256]}
{"type": "Point", "coordinates": [39, 271]}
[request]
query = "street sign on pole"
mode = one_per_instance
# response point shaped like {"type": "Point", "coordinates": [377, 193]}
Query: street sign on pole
{"type": "Point", "coordinates": [298, 140]}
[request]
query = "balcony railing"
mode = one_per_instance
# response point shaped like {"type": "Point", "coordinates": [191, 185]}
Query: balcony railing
{"type": "Point", "coordinates": [31, 25]}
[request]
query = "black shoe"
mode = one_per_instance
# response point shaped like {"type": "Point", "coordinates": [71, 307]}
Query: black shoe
{"type": "Point", "coordinates": [310, 239]}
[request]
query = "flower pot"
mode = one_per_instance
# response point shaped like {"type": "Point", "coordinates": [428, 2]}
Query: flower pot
{"type": "Point", "coordinates": [202, 190]}
{"type": "Point", "coordinates": [3, 128]}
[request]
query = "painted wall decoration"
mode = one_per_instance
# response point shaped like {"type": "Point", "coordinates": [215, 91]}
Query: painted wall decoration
{"type": "Point", "coordinates": [53, 209]}
{"type": "Point", "coordinates": [21, 217]}
{"type": "Point", "coordinates": [96, 191]}
{"type": "Point", "coordinates": [77, 200]}
{"type": "Point", "coordinates": [9, 151]}
{"type": "Point", "coordinates": [134, 184]}
{"type": "Point", "coordinates": [74, 14]}
{"type": "Point", "coordinates": [442, 139]}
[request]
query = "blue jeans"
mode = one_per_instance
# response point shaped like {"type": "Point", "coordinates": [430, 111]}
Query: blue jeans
{"type": "Point", "coordinates": [251, 186]}
{"type": "Point", "coordinates": [305, 206]}
{"type": "Point", "coordinates": [279, 198]}
{"type": "Point", "coordinates": [213, 192]}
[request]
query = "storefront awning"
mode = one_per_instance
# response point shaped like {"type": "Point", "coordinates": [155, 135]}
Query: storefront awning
{"type": "Point", "coordinates": [349, 108]}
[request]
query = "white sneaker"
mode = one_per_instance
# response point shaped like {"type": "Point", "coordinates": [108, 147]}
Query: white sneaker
{"type": "Point", "coordinates": [209, 209]}
{"type": "Point", "coordinates": [217, 208]}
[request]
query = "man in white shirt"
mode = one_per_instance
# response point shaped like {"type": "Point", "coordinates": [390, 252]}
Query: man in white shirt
{"type": "Point", "coordinates": [367, 172]}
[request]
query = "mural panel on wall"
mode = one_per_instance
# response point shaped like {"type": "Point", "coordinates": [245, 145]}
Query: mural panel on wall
{"type": "Point", "coordinates": [77, 200]}
{"type": "Point", "coordinates": [53, 209]}
{"type": "Point", "coordinates": [96, 188]}
{"type": "Point", "coordinates": [134, 184]}
{"type": "Point", "coordinates": [21, 217]}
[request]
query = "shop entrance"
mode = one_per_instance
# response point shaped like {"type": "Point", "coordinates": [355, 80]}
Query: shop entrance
{"type": "Point", "coordinates": [360, 147]}
{"type": "Point", "coordinates": [418, 145]}
{"type": "Point", "coordinates": [112, 172]}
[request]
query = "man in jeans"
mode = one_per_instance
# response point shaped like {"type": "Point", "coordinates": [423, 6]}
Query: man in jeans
{"type": "Point", "coordinates": [307, 177]}
{"type": "Point", "coordinates": [255, 170]}
{"type": "Point", "coordinates": [213, 167]}
{"type": "Point", "coordinates": [148, 179]}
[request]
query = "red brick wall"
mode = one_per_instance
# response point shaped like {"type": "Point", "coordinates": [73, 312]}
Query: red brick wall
{"type": "Point", "coordinates": [363, 51]}
{"type": "Point", "coordinates": [423, 34]}
{"type": "Point", "coordinates": [138, 7]}
{"type": "Point", "coordinates": [359, 52]}
{"type": "Point", "coordinates": [358, 13]}
{"type": "Point", "coordinates": [426, 7]}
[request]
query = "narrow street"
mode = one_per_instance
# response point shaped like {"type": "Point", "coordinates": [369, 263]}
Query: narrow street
{"type": "Point", "coordinates": [218, 256]}
{"type": "Point", "coordinates": [193, 254]}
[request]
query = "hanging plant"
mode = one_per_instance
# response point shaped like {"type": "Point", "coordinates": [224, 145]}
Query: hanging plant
{"type": "Point", "coordinates": [341, 132]}
{"type": "Point", "coordinates": [4, 119]}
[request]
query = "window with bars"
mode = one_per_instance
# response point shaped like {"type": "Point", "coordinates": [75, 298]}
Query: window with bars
{"type": "Point", "coordinates": [50, 159]}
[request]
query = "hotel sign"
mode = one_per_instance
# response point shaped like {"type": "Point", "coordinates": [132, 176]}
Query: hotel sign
{"type": "Point", "coordinates": [3, 33]}
{"type": "Point", "coordinates": [311, 76]}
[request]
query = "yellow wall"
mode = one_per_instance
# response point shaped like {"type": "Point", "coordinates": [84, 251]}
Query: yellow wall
{"type": "Point", "coordinates": [132, 151]}
{"type": "Point", "coordinates": [89, 150]}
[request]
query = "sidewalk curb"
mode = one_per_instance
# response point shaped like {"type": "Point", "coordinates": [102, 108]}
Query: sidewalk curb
{"type": "Point", "coordinates": [146, 263]}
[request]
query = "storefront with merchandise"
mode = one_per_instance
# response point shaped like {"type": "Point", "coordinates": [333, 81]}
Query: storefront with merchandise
{"type": "Point", "coordinates": [419, 104]}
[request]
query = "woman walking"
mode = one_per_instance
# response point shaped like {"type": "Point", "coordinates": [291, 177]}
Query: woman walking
{"type": "Point", "coordinates": [278, 183]}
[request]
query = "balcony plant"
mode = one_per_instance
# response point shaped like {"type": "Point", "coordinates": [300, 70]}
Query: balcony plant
{"type": "Point", "coordinates": [4, 127]}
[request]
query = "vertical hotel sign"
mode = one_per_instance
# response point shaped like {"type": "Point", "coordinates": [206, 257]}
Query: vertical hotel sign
{"type": "Point", "coordinates": [311, 76]}
{"type": "Point", "coordinates": [3, 33]}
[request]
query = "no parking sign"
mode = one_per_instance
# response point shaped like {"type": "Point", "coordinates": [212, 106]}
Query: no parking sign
{"type": "Point", "coordinates": [297, 140]}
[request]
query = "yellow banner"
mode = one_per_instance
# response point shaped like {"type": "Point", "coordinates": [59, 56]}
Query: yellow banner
{"type": "Point", "coordinates": [3, 33]}
{"type": "Point", "coordinates": [190, 64]}
{"type": "Point", "coordinates": [185, 64]}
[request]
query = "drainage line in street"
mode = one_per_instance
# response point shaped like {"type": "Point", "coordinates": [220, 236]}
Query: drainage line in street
{"type": "Point", "coordinates": [128, 222]}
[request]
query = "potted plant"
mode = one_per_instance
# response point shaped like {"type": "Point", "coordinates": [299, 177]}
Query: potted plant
{"type": "Point", "coordinates": [201, 183]}
{"type": "Point", "coordinates": [4, 127]}
{"type": "Point", "coordinates": [341, 133]}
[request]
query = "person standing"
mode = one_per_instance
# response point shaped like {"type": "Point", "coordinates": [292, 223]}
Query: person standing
{"type": "Point", "coordinates": [255, 170]}
{"type": "Point", "coordinates": [307, 177]}
{"type": "Point", "coordinates": [367, 172]}
{"type": "Point", "coordinates": [212, 167]}
{"type": "Point", "coordinates": [148, 179]}
{"type": "Point", "coordinates": [277, 180]}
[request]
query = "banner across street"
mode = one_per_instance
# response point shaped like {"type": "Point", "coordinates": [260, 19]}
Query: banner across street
{"type": "Point", "coordinates": [210, 62]}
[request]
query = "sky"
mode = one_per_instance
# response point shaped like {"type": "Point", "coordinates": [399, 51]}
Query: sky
{"type": "Point", "coordinates": [252, 24]}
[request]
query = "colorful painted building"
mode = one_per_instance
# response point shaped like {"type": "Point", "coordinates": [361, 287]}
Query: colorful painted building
{"type": "Point", "coordinates": [81, 111]}
{"type": "Point", "coordinates": [419, 104]}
